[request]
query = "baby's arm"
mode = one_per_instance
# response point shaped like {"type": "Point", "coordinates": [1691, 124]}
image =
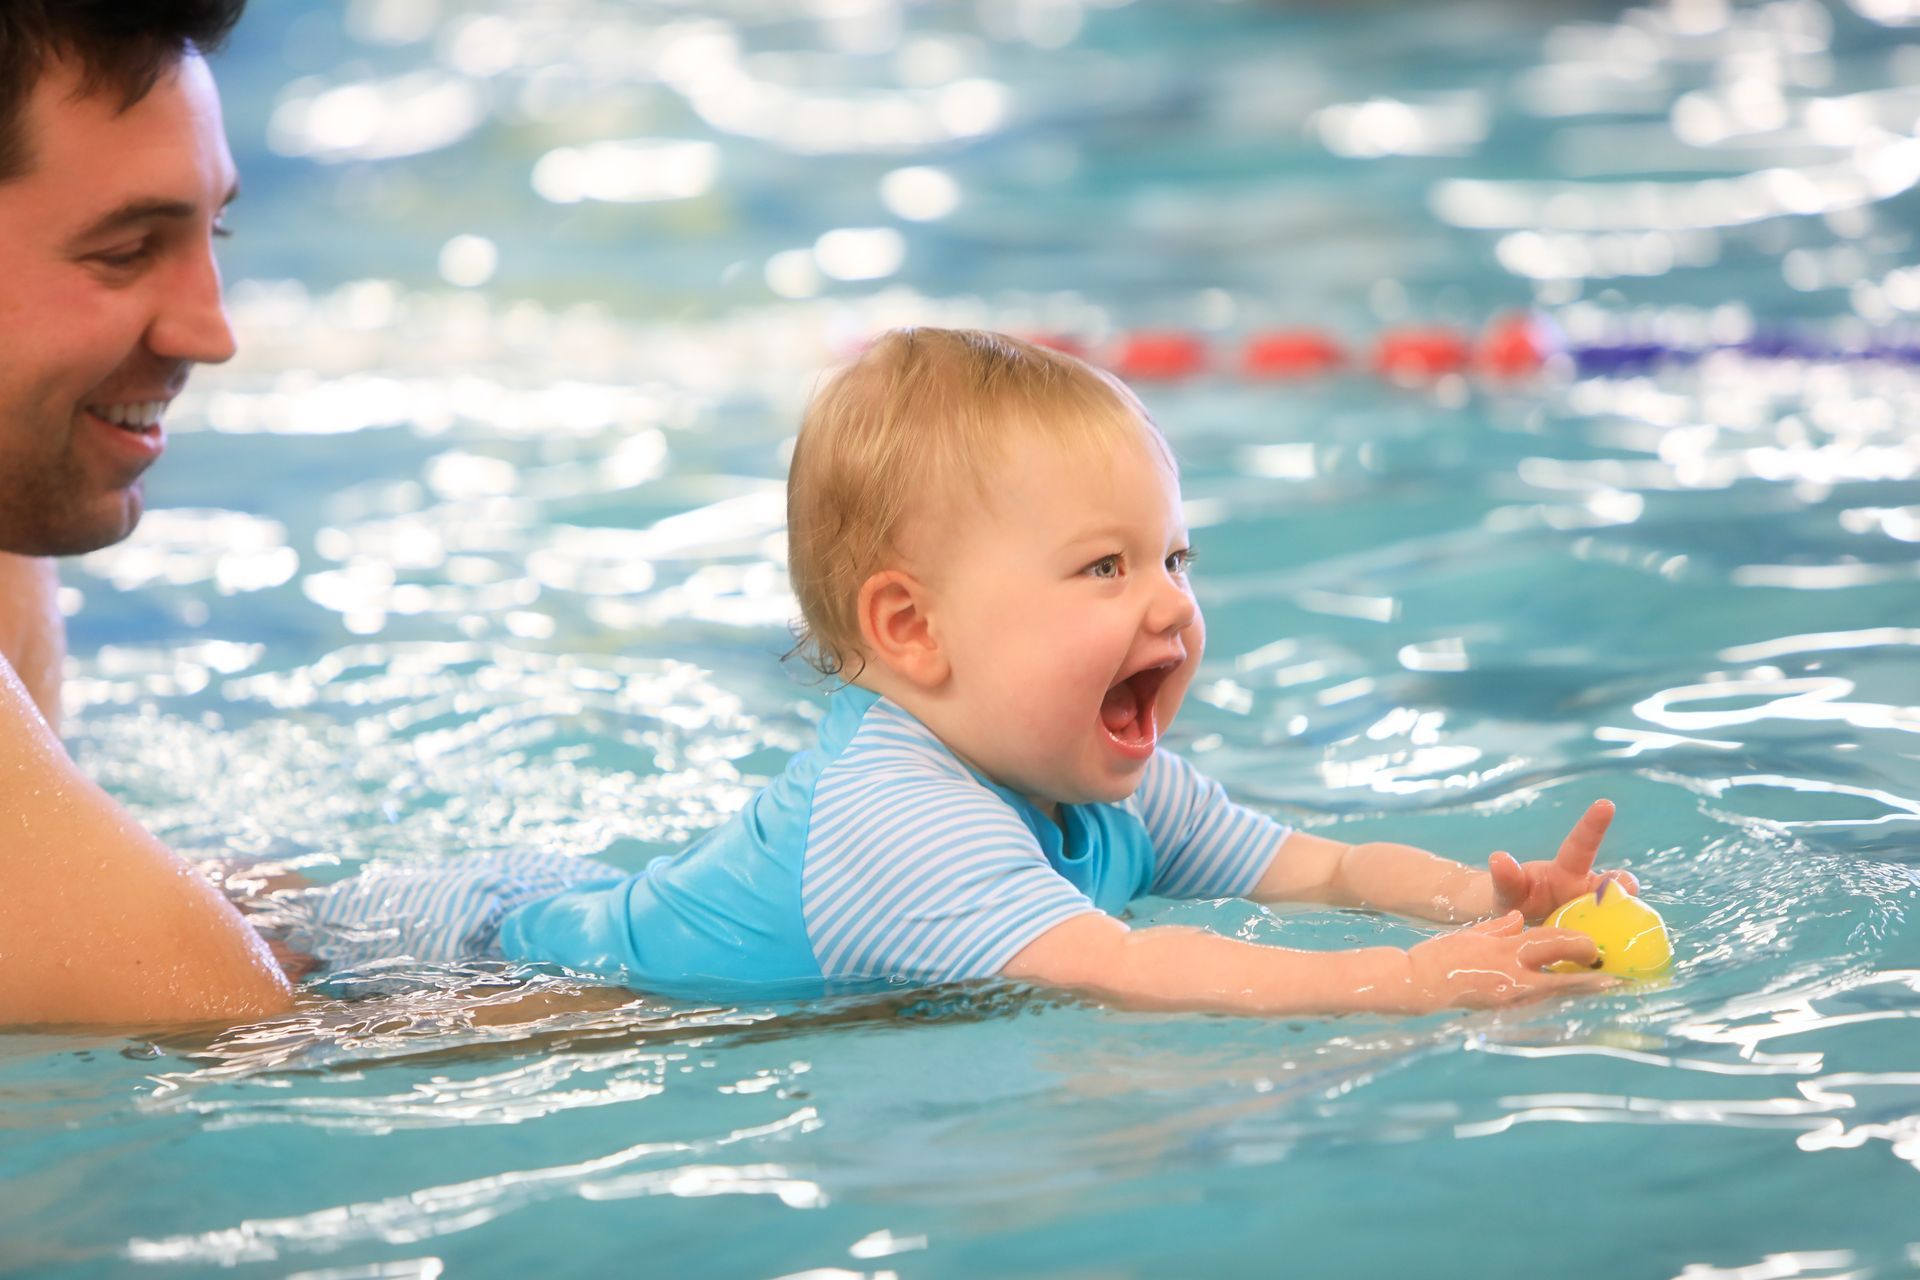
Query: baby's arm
{"type": "Point", "coordinates": [1412, 882]}
{"type": "Point", "coordinates": [1168, 967]}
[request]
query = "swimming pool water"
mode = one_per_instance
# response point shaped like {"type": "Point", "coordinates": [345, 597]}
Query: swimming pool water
{"type": "Point", "coordinates": [478, 546]}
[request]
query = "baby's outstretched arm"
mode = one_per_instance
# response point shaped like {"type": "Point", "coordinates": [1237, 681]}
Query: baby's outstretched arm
{"type": "Point", "coordinates": [1168, 967]}
{"type": "Point", "coordinates": [1412, 882]}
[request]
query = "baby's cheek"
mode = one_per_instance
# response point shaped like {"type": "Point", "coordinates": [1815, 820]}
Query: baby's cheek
{"type": "Point", "coordinates": [1194, 639]}
{"type": "Point", "coordinates": [1194, 636]}
{"type": "Point", "coordinates": [1088, 660]}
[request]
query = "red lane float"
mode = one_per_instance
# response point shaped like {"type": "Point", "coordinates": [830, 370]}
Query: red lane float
{"type": "Point", "coordinates": [1513, 347]}
{"type": "Point", "coordinates": [1159, 356]}
{"type": "Point", "coordinates": [1291, 353]}
{"type": "Point", "coordinates": [1418, 354]}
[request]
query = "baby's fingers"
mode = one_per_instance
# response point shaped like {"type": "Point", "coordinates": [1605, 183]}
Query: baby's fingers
{"type": "Point", "coordinates": [1626, 880]}
{"type": "Point", "coordinates": [1529, 986]}
{"type": "Point", "coordinates": [1502, 926]}
{"type": "Point", "coordinates": [1568, 984]}
{"type": "Point", "coordinates": [1509, 881]}
{"type": "Point", "coordinates": [1545, 948]}
{"type": "Point", "coordinates": [1582, 844]}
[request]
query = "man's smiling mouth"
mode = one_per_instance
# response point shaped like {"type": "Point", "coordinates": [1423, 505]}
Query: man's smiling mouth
{"type": "Point", "coordinates": [135, 415]}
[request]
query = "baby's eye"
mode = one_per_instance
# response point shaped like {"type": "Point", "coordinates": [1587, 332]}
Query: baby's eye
{"type": "Point", "coordinates": [1180, 561]}
{"type": "Point", "coordinates": [1104, 567]}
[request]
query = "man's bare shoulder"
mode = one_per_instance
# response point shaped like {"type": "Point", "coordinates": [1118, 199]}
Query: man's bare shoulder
{"type": "Point", "coordinates": [99, 922]}
{"type": "Point", "coordinates": [33, 635]}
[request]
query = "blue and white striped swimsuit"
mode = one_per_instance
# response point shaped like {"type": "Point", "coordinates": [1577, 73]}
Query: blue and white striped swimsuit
{"type": "Point", "coordinates": [876, 857]}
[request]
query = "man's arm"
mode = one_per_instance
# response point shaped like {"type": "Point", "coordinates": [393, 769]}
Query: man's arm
{"type": "Point", "coordinates": [33, 635]}
{"type": "Point", "coordinates": [99, 922]}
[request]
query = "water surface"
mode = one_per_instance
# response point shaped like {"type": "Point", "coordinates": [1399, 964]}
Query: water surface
{"type": "Point", "coordinates": [478, 545]}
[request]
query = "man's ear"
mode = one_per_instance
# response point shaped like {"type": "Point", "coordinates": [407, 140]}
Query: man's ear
{"type": "Point", "coordinates": [897, 631]}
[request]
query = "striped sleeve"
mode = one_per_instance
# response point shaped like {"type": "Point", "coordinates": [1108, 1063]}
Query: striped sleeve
{"type": "Point", "coordinates": [1205, 845]}
{"type": "Point", "coordinates": [914, 870]}
{"type": "Point", "coordinates": [439, 912]}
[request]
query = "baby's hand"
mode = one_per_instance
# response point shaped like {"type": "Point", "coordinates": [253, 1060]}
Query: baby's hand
{"type": "Point", "coordinates": [1535, 888]}
{"type": "Point", "coordinates": [1500, 961]}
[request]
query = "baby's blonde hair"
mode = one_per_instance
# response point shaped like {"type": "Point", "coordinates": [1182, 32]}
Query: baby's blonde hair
{"type": "Point", "coordinates": [920, 414]}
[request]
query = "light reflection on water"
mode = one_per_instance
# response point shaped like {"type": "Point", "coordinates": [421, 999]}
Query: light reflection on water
{"type": "Point", "coordinates": [482, 549]}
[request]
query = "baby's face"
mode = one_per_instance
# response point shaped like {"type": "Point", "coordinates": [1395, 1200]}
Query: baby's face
{"type": "Point", "coordinates": [1064, 608]}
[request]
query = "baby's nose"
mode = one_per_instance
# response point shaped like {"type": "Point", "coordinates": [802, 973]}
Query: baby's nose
{"type": "Point", "coordinates": [1174, 610]}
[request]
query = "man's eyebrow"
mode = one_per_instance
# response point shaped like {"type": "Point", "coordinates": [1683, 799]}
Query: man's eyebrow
{"type": "Point", "coordinates": [148, 209]}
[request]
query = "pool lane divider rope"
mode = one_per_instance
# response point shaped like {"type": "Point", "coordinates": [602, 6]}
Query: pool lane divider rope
{"type": "Point", "coordinates": [1511, 347]}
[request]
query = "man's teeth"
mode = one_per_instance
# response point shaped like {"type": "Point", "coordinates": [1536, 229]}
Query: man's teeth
{"type": "Point", "coordinates": [141, 413]}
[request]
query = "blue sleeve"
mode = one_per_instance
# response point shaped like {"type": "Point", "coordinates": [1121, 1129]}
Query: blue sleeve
{"type": "Point", "coordinates": [1206, 846]}
{"type": "Point", "coordinates": [925, 877]}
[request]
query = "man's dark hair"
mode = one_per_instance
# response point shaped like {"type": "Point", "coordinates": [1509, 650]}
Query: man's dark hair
{"type": "Point", "coordinates": [119, 47]}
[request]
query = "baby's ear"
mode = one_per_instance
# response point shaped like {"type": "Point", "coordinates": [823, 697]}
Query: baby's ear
{"type": "Point", "coordinates": [894, 628]}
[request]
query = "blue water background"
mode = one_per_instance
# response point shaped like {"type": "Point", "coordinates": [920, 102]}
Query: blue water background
{"type": "Point", "coordinates": [477, 546]}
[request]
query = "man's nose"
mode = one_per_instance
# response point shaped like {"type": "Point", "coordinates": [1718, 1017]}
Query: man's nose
{"type": "Point", "coordinates": [191, 323]}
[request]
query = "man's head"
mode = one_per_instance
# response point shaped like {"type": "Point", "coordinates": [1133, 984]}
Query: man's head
{"type": "Point", "coordinates": [114, 172]}
{"type": "Point", "coordinates": [991, 534]}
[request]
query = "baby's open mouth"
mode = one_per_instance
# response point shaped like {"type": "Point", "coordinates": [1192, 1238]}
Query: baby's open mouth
{"type": "Point", "coordinates": [1129, 710]}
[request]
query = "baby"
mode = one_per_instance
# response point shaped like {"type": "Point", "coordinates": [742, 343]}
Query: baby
{"type": "Point", "coordinates": [987, 545]}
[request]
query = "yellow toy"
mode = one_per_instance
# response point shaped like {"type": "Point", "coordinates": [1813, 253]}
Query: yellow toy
{"type": "Point", "coordinates": [1633, 940]}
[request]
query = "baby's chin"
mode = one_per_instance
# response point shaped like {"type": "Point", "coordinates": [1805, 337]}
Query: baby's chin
{"type": "Point", "coordinates": [1108, 790]}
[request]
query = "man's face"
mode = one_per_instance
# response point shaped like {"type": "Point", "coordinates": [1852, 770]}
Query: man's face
{"type": "Point", "coordinates": [109, 295]}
